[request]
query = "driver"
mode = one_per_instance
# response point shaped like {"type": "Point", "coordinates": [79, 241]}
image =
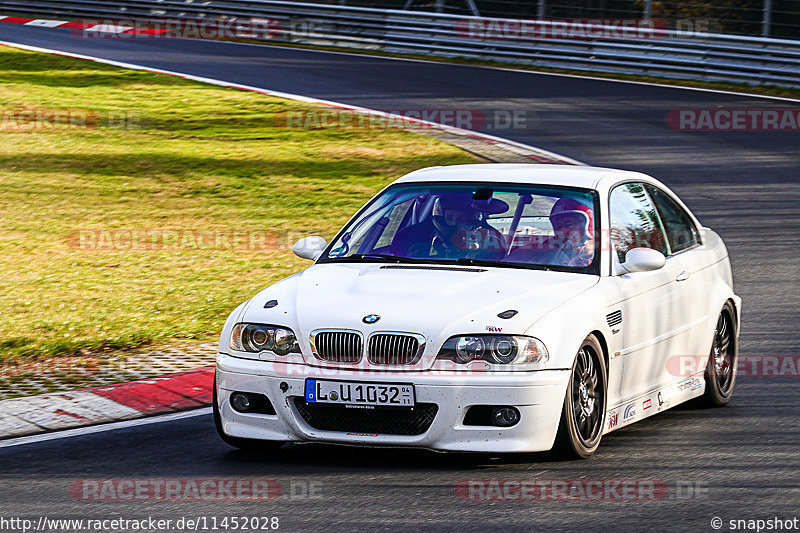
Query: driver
{"type": "Point", "coordinates": [455, 229]}
{"type": "Point", "coordinates": [451, 213]}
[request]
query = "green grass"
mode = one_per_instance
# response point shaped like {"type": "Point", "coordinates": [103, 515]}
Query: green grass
{"type": "Point", "coordinates": [183, 156]}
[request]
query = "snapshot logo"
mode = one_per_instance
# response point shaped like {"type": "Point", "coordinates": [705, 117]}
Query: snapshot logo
{"type": "Point", "coordinates": [746, 365]}
{"type": "Point", "coordinates": [188, 489]}
{"type": "Point", "coordinates": [467, 119]}
{"type": "Point", "coordinates": [562, 490]}
{"type": "Point", "coordinates": [734, 119]}
{"type": "Point", "coordinates": [189, 28]}
{"type": "Point", "coordinates": [572, 28]}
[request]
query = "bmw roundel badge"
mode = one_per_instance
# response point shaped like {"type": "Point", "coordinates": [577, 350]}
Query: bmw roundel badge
{"type": "Point", "coordinates": [370, 319]}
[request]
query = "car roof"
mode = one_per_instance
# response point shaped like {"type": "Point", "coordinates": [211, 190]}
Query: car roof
{"type": "Point", "coordinates": [528, 173]}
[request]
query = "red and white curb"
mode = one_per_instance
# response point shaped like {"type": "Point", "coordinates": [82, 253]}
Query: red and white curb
{"type": "Point", "coordinates": [123, 401]}
{"type": "Point", "coordinates": [531, 152]}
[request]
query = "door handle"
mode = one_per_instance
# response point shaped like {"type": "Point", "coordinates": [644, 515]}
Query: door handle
{"type": "Point", "coordinates": [683, 276]}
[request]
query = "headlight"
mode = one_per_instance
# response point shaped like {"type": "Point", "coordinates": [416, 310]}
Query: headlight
{"type": "Point", "coordinates": [494, 349]}
{"type": "Point", "coordinates": [256, 338]}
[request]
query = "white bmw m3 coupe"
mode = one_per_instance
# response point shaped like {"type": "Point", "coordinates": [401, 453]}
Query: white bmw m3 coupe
{"type": "Point", "coordinates": [488, 308]}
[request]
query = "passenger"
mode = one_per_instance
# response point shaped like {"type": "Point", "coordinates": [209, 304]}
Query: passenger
{"type": "Point", "coordinates": [573, 226]}
{"type": "Point", "coordinates": [572, 243]}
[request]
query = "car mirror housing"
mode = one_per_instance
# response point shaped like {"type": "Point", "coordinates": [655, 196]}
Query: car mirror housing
{"type": "Point", "coordinates": [310, 247]}
{"type": "Point", "coordinates": [643, 260]}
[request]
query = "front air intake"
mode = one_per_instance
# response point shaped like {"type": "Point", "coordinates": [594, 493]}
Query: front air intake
{"type": "Point", "coordinates": [393, 349]}
{"type": "Point", "coordinates": [338, 346]}
{"type": "Point", "coordinates": [415, 421]}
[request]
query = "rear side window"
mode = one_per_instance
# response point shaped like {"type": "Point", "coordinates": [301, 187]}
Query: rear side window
{"type": "Point", "coordinates": [634, 221]}
{"type": "Point", "coordinates": [681, 231]}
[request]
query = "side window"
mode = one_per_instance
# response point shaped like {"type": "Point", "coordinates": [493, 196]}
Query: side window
{"type": "Point", "coordinates": [634, 221]}
{"type": "Point", "coordinates": [681, 231]}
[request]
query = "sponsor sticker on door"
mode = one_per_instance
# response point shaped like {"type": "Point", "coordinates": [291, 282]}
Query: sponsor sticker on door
{"type": "Point", "coordinates": [630, 412]}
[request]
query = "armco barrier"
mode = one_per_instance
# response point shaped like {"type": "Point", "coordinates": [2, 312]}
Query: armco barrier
{"type": "Point", "coordinates": [645, 50]}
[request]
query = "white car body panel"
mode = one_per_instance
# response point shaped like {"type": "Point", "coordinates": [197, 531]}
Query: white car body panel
{"type": "Point", "coordinates": [662, 317]}
{"type": "Point", "coordinates": [429, 301]}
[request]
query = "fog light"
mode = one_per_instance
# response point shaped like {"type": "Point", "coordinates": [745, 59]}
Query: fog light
{"type": "Point", "coordinates": [505, 416]}
{"type": "Point", "coordinates": [240, 402]}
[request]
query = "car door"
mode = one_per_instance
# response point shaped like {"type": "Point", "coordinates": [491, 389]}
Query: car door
{"type": "Point", "coordinates": [653, 303]}
{"type": "Point", "coordinates": [695, 278]}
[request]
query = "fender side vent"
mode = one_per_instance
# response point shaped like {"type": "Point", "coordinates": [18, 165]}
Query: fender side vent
{"type": "Point", "coordinates": [614, 318]}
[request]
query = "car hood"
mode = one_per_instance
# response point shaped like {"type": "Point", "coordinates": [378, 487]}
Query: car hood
{"type": "Point", "coordinates": [437, 302]}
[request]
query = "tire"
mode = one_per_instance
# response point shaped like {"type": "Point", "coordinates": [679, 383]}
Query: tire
{"type": "Point", "coordinates": [583, 414]}
{"type": "Point", "coordinates": [238, 442]}
{"type": "Point", "coordinates": [720, 375]}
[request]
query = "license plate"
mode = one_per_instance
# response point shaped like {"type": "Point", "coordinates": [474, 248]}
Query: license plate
{"type": "Point", "coordinates": [359, 393]}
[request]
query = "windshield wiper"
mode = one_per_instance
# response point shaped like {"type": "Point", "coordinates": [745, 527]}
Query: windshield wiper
{"type": "Point", "coordinates": [386, 257]}
{"type": "Point", "coordinates": [493, 263]}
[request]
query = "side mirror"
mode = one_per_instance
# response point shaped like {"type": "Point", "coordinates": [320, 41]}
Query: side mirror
{"type": "Point", "coordinates": [310, 247]}
{"type": "Point", "coordinates": [643, 260]}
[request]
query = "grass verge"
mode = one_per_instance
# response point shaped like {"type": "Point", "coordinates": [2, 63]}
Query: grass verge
{"type": "Point", "coordinates": [140, 208]}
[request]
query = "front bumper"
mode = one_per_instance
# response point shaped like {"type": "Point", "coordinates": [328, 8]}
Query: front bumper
{"type": "Point", "coordinates": [539, 396]}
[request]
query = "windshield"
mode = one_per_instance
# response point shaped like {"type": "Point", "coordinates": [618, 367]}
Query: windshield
{"type": "Point", "coordinates": [471, 223]}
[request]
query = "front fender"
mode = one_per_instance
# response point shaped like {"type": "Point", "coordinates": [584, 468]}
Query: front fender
{"type": "Point", "coordinates": [564, 328]}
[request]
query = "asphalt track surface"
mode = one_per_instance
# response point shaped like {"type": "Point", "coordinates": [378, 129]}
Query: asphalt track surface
{"type": "Point", "coordinates": [742, 184]}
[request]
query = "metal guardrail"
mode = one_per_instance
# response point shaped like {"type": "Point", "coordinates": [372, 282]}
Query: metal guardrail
{"type": "Point", "coordinates": [641, 51]}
